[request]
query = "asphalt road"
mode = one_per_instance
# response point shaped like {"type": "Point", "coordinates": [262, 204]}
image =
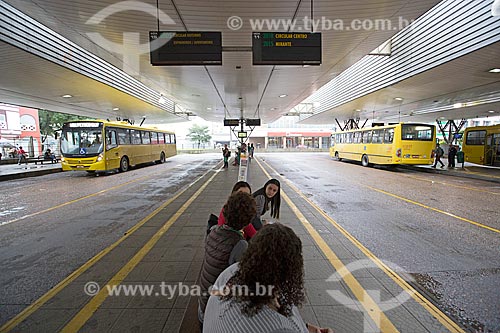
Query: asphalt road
{"type": "Point", "coordinates": [51, 225]}
{"type": "Point", "coordinates": [454, 261]}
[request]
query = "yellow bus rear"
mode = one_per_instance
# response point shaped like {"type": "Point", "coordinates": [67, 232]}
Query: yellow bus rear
{"type": "Point", "coordinates": [481, 145]}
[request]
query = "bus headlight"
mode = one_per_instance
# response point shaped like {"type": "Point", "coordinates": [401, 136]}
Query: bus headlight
{"type": "Point", "coordinates": [99, 158]}
{"type": "Point", "coordinates": [63, 159]}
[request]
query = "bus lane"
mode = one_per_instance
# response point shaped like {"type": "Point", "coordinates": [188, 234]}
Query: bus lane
{"type": "Point", "coordinates": [455, 261]}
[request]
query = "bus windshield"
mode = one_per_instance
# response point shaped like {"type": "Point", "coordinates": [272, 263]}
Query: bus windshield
{"type": "Point", "coordinates": [82, 141]}
{"type": "Point", "coordinates": [417, 132]}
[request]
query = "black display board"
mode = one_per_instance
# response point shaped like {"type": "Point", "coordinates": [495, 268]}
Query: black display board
{"type": "Point", "coordinates": [175, 48]}
{"type": "Point", "coordinates": [286, 48]}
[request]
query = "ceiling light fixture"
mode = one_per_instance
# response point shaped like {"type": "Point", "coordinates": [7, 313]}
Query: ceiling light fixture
{"type": "Point", "coordinates": [358, 110]}
{"type": "Point", "coordinates": [116, 109]}
{"type": "Point", "coordinates": [283, 95]}
{"type": "Point", "coordinates": [209, 109]}
{"type": "Point", "coordinates": [491, 111]}
{"type": "Point", "coordinates": [398, 98]}
{"type": "Point", "coordinates": [494, 70]}
{"type": "Point", "coordinates": [67, 96]}
{"type": "Point", "coordinates": [161, 100]}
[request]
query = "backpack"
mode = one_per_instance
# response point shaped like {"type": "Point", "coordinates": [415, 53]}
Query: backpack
{"type": "Point", "coordinates": [439, 151]}
{"type": "Point", "coordinates": [212, 222]}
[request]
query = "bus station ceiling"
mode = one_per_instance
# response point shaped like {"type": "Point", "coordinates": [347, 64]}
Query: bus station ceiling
{"type": "Point", "coordinates": [237, 88]}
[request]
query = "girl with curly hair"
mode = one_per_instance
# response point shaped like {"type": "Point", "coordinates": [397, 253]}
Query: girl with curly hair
{"type": "Point", "coordinates": [241, 186]}
{"type": "Point", "coordinates": [225, 244]}
{"type": "Point", "coordinates": [261, 293]}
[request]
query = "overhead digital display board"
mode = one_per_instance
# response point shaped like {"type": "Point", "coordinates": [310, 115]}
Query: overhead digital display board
{"type": "Point", "coordinates": [183, 48]}
{"type": "Point", "coordinates": [286, 48]}
{"type": "Point", "coordinates": [231, 122]}
{"type": "Point", "coordinates": [252, 122]}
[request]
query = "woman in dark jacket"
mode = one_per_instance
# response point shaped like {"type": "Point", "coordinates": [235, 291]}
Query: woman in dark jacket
{"type": "Point", "coordinates": [225, 244]}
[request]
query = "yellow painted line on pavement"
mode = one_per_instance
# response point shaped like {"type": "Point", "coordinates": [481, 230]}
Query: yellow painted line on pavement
{"type": "Point", "coordinates": [431, 308]}
{"type": "Point", "coordinates": [453, 185]}
{"type": "Point", "coordinates": [11, 324]}
{"type": "Point", "coordinates": [84, 314]}
{"type": "Point", "coordinates": [432, 208]}
{"type": "Point", "coordinates": [371, 307]}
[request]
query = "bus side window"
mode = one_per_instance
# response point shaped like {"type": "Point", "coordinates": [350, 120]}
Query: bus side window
{"type": "Point", "coordinates": [111, 141]}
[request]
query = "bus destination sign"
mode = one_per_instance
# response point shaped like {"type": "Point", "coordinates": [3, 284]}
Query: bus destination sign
{"type": "Point", "coordinates": [177, 48]}
{"type": "Point", "coordinates": [286, 48]}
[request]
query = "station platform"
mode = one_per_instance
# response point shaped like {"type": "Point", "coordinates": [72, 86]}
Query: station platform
{"type": "Point", "coordinates": [15, 171]}
{"type": "Point", "coordinates": [347, 288]}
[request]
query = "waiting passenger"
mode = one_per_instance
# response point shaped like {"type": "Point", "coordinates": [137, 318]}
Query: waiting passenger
{"type": "Point", "coordinates": [225, 244]}
{"type": "Point", "coordinates": [263, 290]}
{"type": "Point", "coordinates": [49, 156]}
{"type": "Point", "coordinates": [267, 197]}
{"type": "Point", "coordinates": [248, 231]}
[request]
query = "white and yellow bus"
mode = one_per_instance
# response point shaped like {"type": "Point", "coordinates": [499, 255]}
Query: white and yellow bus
{"type": "Point", "coordinates": [481, 145]}
{"type": "Point", "coordinates": [99, 145]}
{"type": "Point", "coordinates": [391, 144]}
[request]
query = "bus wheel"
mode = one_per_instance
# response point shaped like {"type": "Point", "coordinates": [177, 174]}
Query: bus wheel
{"type": "Point", "coordinates": [162, 158]}
{"type": "Point", "coordinates": [124, 164]}
{"type": "Point", "coordinates": [337, 156]}
{"type": "Point", "coordinates": [364, 161]}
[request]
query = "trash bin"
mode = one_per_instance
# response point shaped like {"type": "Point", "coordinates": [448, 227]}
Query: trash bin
{"type": "Point", "coordinates": [460, 157]}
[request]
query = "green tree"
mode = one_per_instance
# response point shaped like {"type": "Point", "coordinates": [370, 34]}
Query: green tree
{"type": "Point", "coordinates": [199, 134]}
{"type": "Point", "coordinates": [51, 122]}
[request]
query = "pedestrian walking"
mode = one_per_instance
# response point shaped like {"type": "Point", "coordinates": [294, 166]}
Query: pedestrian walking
{"type": "Point", "coordinates": [438, 152]}
{"type": "Point", "coordinates": [22, 156]}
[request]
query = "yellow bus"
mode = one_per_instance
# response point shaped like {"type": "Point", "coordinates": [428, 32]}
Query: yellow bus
{"type": "Point", "coordinates": [99, 145]}
{"type": "Point", "coordinates": [391, 144]}
{"type": "Point", "coordinates": [481, 145]}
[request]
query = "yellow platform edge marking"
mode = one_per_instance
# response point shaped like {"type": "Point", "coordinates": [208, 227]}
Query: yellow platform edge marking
{"type": "Point", "coordinates": [431, 308]}
{"type": "Point", "coordinates": [371, 307]}
{"type": "Point", "coordinates": [28, 311]}
{"type": "Point", "coordinates": [88, 310]}
{"type": "Point", "coordinates": [434, 209]}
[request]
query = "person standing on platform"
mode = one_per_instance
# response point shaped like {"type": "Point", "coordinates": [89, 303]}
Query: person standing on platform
{"type": "Point", "coordinates": [452, 152]}
{"type": "Point", "coordinates": [251, 148]}
{"type": "Point", "coordinates": [439, 152]}
{"type": "Point", "coordinates": [226, 153]}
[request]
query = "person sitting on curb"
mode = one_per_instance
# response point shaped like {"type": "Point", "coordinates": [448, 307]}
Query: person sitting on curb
{"type": "Point", "coordinates": [225, 244]}
{"type": "Point", "coordinates": [262, 292]}
{"type": "Point", "coordinates": [249, 230]}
